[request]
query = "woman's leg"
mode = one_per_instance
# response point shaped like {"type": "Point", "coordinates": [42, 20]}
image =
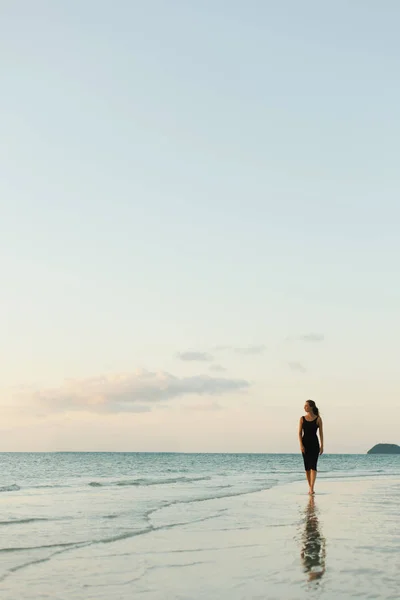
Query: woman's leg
{"type": "Point", "coordinates": [308, 475]}
{"type": "Point", "coordinates": [306, 460]}
{"type": "Point", "coordinates": [313, 476]}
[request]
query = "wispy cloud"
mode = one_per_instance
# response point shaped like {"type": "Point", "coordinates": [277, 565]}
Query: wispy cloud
{"type": "Point", "coordinates": [217, 368]}
{"type": "Point", "coordinates": [308, 337]}
{"type": "Point", "coordinates": [130, 392]}
{"type": "Point", "coordinates": [296, 366]}
{"type": "Point", "coordinates": [249, 350]}
{"type": "Point", "coordinates": [312, 337]}
{"type": "Point", "coordinates": [194, 355]}
{"type": "Point", "coordinates": [208, 406]}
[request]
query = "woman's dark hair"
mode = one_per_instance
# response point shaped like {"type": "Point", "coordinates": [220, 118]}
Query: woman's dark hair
{"type": "Point", "coordinates": [313, 407]}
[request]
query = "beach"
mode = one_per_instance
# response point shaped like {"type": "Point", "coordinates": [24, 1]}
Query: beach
{"type": "Point", "coordinates": [277, 543]}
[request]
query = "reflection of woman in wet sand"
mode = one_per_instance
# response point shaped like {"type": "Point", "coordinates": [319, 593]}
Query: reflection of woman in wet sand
{"type": "Point", "coordinates": [313, 550]}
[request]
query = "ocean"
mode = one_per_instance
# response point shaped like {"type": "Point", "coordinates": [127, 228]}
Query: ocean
{"type": "Point", "coordinates": [117, 513]}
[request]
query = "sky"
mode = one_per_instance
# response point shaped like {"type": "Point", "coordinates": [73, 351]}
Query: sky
{"type": "Point", "coordinates": [199, 224]}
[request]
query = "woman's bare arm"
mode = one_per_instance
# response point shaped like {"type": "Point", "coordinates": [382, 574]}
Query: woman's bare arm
{"type": "Point", "coordinates": [301, 434]}
{"type": "Point", "coordinates": [321, 434]}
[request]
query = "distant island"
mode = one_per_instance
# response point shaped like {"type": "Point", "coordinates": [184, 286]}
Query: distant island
{"type": "Point", "coordinates": [385, 449]}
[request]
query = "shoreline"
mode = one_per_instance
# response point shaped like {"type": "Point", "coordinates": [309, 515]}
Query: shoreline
{"type": "Point", "coordinates": [191, 453]}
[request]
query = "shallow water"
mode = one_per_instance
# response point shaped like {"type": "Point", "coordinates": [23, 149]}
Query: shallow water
{"type": "Point", "coordinates": [57, 506]}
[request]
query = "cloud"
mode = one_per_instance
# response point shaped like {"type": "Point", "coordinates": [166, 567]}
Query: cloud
{"type": "Point", "coordinates": [308, 337]}
{"type": "Point", "coordinates": [130, 392]}
{"type": "Point", "coordinates": [209, 406]}
{"type": "Point", "coordinates": [193, 355]}
{"type": "Point", "coordinates": [312, 337]}
{"type": "Point", "coordinates": [296, 366]}
{"type": "Point", "coordinates": [250, 350]}
{"type": "Point", "coordinates": [217, 368]}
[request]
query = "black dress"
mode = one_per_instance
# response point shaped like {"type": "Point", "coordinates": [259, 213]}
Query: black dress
{"type": "Point", "coordinates": [311, 444]}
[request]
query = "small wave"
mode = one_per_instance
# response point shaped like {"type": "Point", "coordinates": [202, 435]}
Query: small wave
{"type": "Point", "coordinates": [48, 486]}
{"type": "Point", "coordinates": [148, 482]}
{"type": "Point", "coordinates": [358, 475]}
{"type": "Point", "coordinates": [125, 536]}
{"type": "Point", "coordinates": [134, 482]}
{"type": "Point", "coordinates": [10, 488]}
{"type": "Point", "coordinates": [171, 480]}
{"type": "Point", "coordinates": [23, 521]}
{"type": "Point", "coordinates": [44, 547]}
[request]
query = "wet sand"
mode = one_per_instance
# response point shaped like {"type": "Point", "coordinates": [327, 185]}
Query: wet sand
{"type": "Point", "coordinates": [272, 545]}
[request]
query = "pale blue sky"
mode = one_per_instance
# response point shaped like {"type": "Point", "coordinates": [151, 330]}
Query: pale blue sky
{"type": "Point", "coordinates": [182, 175]}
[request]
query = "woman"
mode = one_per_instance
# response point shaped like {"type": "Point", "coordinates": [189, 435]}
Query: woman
{"type": "Point", "coordinates": [309, 444]}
